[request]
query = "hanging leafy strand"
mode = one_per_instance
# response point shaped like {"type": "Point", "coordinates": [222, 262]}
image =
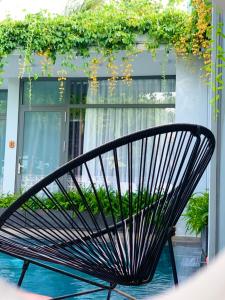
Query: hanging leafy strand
{"type": "Point", "coordinates": [107, 28]}
{"type": "Point", "coordinates": [111, 27]}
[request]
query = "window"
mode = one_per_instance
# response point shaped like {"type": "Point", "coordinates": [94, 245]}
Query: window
{"type": "Point", "coordinates": [42, 92]}
{"type": "Point", "coordinates": [98, 116]}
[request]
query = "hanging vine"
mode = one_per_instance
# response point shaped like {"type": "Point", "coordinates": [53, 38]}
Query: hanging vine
{"type": "Point", "coordinates": [94, 65]}
{"type": "Point", "coordinates": [127, 69]}
{"type": "Point", "coordinates": [61, 79]}
{"type": "Point", "coordinates": [202, 46]}
{"type": "Point", "coordinates": [113, 73]}
{"type": "Point", "coordinates": [109, 28]}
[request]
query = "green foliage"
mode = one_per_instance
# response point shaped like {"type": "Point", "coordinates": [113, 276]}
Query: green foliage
{"type": "Point", "coordinates": [175, 2]}
{"type": "Point", "coordinates": [100, 202]}
{"type": "Point", "coordinates": [105, 27]}
{"type": "Point", "coordinates": [7, 200]}
{"type": "Point", "coordinates": [91, 4]}
{"type": "Point", "coordinates": [113, 26]}
{"type": "Point", "coordinates": [196, 214]}
{"type": "Point", "coordinates": [76, 203]}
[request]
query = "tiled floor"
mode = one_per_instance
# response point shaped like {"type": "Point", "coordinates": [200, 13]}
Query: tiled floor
{"type": "Point", "coordinates": [188, 258]}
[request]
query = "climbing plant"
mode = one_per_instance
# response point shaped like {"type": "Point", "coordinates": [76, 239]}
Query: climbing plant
{"type": "Point", "coordinates": [105, 29]}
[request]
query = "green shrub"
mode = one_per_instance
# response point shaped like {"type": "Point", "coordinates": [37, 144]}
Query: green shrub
{"type": "Point", "coordinates": [196, 214]}
{"type": "Point", "coordinates": [7, 199]}
{"type": "Point", "coordinates": [75, 202]}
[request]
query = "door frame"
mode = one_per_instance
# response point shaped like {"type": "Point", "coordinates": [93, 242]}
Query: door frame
{"type": "Point", "coordinates": [63, 136]}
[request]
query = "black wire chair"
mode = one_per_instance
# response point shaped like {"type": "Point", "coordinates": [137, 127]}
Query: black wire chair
{"type": "Point", "coordinates": [109, 212]}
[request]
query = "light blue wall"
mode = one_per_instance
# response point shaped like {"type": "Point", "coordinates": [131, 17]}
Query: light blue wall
{"type": "Point", "coordinates": [192, 99]}
{"type": "Point", "coordinates": [217, 182]}
{"type": "Point", "coordinates": [143, 64]}
{"type": "Point", "coordinates": [11, 135]}
{"type": "Point", "coordinates": [217, 202]}
{"type": "Point", "coordinates": [191, 107]}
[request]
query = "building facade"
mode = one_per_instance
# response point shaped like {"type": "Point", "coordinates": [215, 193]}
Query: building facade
{"type": "Point", "coordinates": [43, 126]}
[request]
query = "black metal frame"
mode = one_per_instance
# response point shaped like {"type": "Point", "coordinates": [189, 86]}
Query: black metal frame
{"type": "Point", "coordinates": [171, 162]}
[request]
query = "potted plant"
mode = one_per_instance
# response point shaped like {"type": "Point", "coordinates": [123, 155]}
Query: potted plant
{"type": "Point", "coordinates": [196, 216]}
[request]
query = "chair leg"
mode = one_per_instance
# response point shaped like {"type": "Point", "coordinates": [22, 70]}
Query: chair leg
{"type": "Point", "coordinates": [24, 269]}
{"type": "Point", "coordinates": [173, 262]}
{"type": "Point", "coordinates": [109, 294]}
{"type": "Point", "coordinates": [112, 286]}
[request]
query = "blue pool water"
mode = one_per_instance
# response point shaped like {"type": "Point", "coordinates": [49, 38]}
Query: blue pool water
{"type": "Point", "coordinates": [42, 281]}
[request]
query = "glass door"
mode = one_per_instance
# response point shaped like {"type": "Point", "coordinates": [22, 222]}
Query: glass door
{"type": "Point", "coordinates": [42, 145]}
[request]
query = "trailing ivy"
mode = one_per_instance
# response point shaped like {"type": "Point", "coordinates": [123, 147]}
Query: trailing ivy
{"type": "Point", "coordinates": [113, 26]}
{"type": "Point", "coordinates": [105, 28]}
{"type": "Point", "coordinates": [76, 203]}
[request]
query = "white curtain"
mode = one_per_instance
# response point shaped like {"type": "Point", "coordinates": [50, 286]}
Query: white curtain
{"type": "Point", "coordinates": [41, 145]}
{"type": "Point", "coordinates": [106, 124]}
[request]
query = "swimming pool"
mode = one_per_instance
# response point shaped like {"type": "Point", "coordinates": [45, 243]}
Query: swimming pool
{"type": "Point", "coordinates": [42, 281]}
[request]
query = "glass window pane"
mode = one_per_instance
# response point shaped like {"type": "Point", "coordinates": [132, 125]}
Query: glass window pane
{"type": "Point", "coordinates": [137, 91]}
{"type": "Point", "coordinates": [3, 101]}
{"type": "Point", "coordinates": [43, 92]}
{"type": "Point", "coordinates": [41, 145]}
{"type": "Point", "coordinates": [92, 127]}
{"type": "Point", "coordinates": [76, 132]}
{"type": "Point", "coordinates": [103, 125]}
{"type": "Point", "coordinates": [79, 89]}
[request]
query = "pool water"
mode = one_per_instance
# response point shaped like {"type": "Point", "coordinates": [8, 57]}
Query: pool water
{"type": "Point", "coordinates": [46, 282]}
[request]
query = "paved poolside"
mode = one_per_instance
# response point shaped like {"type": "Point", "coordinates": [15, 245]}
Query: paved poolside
{"type": "Point", "coordinates": [188, 256]}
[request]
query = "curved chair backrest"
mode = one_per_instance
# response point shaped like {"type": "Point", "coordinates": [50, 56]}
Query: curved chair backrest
{"type": "Point", "coordinates": [109, 212]}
